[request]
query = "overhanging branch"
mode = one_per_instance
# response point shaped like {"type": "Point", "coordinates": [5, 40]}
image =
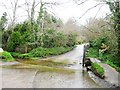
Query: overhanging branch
{"type": "Point", "coordinates": [91, 9]}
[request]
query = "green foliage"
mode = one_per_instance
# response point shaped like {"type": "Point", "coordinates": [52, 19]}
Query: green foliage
{"type": "Point", "coordinates": [115, 9]}
{"type": "Point", "coordinates": [97, 43]}
{"type": "Point", "coordinates": [71, 40]}
{"type": "Point", "coordinates": [60, 40]}
{"type": "Point", "coordinates": [14, 41]}
{"type": "Point", "coordinates": [92, 52]}
{"type": "Point", "coordinates": [45, 52]}
{"type": "Point", "coordinates": [22, 27]}
{"type": "Point", "coordinates": [42, 52]}
{"type": "Point", "coordinates": [113, 65]}
{"type": "Point", "coordinates": [6, 56]}
{"type": "Point", "coordinates": [110, 59]}
{"type": "Point", "coordinates": [21, 56]}
{"type": "Point", "coordinates": [98, 70]}
{"type": "Point", "coordinates": [3, 21]}
{"type": "Point", "coordinates": [15, 54]}
{"type": "Point", "coordinates": [10, 46]}
{"type": "Point", "coordinates": [105, 49]}
{"type": "Point", "coordinates": [25, 56]}
{"type": "Point", "coordinates": [51, 38]}
{"type": "Point", "coordinates": [23, 37]}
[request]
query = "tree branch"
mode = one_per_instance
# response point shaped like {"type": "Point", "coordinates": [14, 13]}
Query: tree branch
{"type": "Point", "coordinates": [98, 11]}
{"type": "Point", "coordinates": [90, 9]}
{"type": "Point", "coordinates": [81, 2]}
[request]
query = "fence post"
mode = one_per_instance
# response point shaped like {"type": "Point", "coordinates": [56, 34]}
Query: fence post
{"type": "Point", "coordinates": [84, 56]}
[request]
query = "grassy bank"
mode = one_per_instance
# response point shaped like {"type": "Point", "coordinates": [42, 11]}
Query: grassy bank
{"type": "Point", "coordinates": [105, 57]}
{"type": "Point", "coordinates": [113, 65]}
{"type": "Point", "coordinates": [6, 56]}
{"type": "Point", "coordinates": [40, 65]}
{"type": "Point", "coordinates": [42, 52]}
{"type": "Point", "coordinates": [35, 53]}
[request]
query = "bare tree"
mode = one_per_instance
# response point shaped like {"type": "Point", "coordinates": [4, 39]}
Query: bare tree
{"type": "Point", "coordinates": [11, 8]}
{"type": "Point", "coordinates": [27, 8]}
{"type": "Point", "coordinates": [14, 10]}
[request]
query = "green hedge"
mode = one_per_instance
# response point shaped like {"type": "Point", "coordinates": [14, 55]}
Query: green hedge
{"type": "Point", "coordinates": [6, 56]}
{"type": "Point", "coordinates": [42, 52]}
{"type": "Point", "coordinates": [97, 70]}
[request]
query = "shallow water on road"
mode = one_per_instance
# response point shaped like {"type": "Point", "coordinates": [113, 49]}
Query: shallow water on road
{"type": "Point", "coordinates": [55, 80]}
{"type": "Point", "coordinates": [27, 78]}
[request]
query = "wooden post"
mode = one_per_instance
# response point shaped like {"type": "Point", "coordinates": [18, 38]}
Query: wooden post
{"type": "Point", "coordinates": [84, 56]}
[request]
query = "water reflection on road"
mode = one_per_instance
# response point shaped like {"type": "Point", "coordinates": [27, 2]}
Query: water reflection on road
{"type": "Point", "coordinates": [54, 80]}
{"type": "Point", "coordinates": [27, 78]}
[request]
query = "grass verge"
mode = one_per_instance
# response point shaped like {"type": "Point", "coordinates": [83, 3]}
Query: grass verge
{"type": "Point", "coordinates": [105, 58]}
{"type": "Point", "coordinates": [113, 65]}
{"type": "Point", "coordinates": [42, 52]}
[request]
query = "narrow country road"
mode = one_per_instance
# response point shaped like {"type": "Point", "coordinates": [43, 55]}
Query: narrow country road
{"type": "Point", "coordinates": [27, 78]}
{"type": "Point", "coordinates": [73, 57]}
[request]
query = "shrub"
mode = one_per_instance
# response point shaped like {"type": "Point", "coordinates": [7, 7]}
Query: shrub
{"type": "Point", "coordinates": [21, 56]}
{"type": "Point", "coordinates": [15, 54]}
{"type": "Point", "coordinates": [97, 70]}
{"type": "Point", "coordinates": [22, 27]}
{"type": "Point", "coordinates": [6, 56]}
{"type": "Point", "coordinates": [60, 40]}
{"type": "Point", "coordinates": [44, 52]}
{"type": "Point", "coordinates": [97, 43]}
{"type": "Point", "coordinates": [113, 65]}
{"type": "Point", "coordinates": [10, 46]}
{"type": "Point", "coordinates": [71, 40]}
{"type": "Point", "coordinates": [51, 38]}
{"type": "Point", "coordinates": [25, 56]}
{"type": "Point", "coordinates": [14, 41]}
{"type": "Point", "coordinates": [92, 52]}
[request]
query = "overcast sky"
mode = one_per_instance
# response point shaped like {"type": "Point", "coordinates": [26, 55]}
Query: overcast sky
{"type": "Point", "coordinates": [67, 9]}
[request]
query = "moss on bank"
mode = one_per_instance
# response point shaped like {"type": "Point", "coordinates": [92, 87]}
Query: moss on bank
{"type": "Point", "coordinates": [49, 63]}
{"type": "Point", "coordinates": [41, 68]}
{"type": "Point", "coordinates": [97, 70]}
